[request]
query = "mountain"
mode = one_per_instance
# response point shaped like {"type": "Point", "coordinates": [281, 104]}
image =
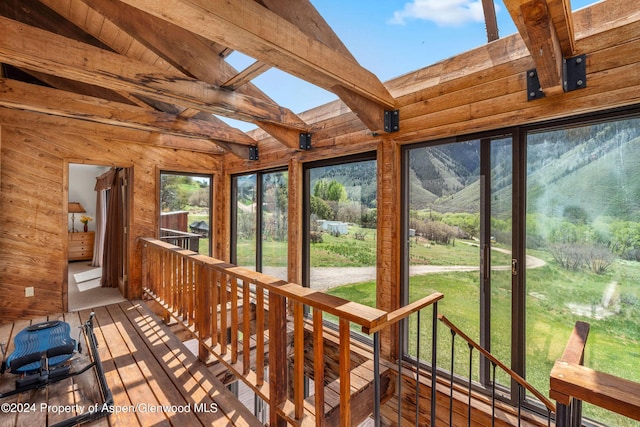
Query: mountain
{"type": "Point", "coordinates": [589, 168]}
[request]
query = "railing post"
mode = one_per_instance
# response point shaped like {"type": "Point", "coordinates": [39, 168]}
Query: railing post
{"type": "Point", "coordinates": [277, 357]}
{"type": "Point", "coordinates": [562, 415]}
{"type": "Point", "coordinates": [194, 243]}
{"type": "Point", "coordinates": [345, 372]}
{"type": "Point", "coordinates": [203, 310]}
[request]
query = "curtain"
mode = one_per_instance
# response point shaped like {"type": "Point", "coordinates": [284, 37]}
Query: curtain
{"type": "Point", "coordinates": [103, 183]}
{"type": "Point", "coordinates": [112, 260]}
{"type": "Point", "coordinates": [101, 215]}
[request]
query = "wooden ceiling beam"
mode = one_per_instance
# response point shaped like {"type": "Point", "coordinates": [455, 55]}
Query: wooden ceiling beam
{"type": "Point", "coordinates": [246, 75]}
{"type": "Point", "coordinates": [307, 19]}
{"type": "Point", "coordinates": [190, 53]}
{"type": "Point", "coordinates": [490, 20]}
{"type": "Point", "coordinates": [249, 27]}
{"type": "Point", "coordinates": [560, 11]}
{"type": "Point", "coordinates": [187, 52]}
{"type": "Point", "coordinates": [538, 30]}
{"type": "Point", "coordinates": [83, 88]}
{"type": "Point", "coordinates": [29, 97]}
{"type": "Point", "coordinates": [35, 49]}
{"type": "Point", "coordinates": [239, 147]}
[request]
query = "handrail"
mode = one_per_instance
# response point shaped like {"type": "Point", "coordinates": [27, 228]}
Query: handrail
{"type": "Point", "coordinates": [206, 295]}
{"type": "Point", "coordinates": [184, 239]}
{"type": "Point", "coordinates": [550, 406]}
{"type": "Point", "coordinates": [570, 380]}
{"type": "Point", "coordinates": [405, 311]}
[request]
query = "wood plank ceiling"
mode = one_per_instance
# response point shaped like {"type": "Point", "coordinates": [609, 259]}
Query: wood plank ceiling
{"type": "Point", "coordinates": [160, 65]}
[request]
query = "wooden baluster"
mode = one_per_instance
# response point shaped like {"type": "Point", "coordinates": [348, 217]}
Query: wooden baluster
{"type": "Point", "coordinates": [180, 280]}
{"type": "Point", "coordinates": [203, 319]}
{"type": "Point", "coordinates": [215, 306]}
{"type": "Point", "coordinates": [246, 328]}
{"type": "Point", "coordinates": [188, 291]}
{"type": "Point", "coordinates": [193, 279]}
{"type": "Point", "coordinates": [234, 319]}
{"type": "Point", "coordinates": [223, 313]}
{"type": "Point", "coordinates": [173, 279]}
{"type": "Point", "coordinates": [345, 373]}
{"type": "Point", "coordinates": [278, 381]}
{"type": "Point", "coordinates": [144, 265]}
{"type": "Point", "coordinates": [259, 336]}
{"type": "Point", "coordinates": [298, 359]}
{"type": "Point", "coordinates": [318, 366]}
{"type": "Point", "coordinates": [166, 282]}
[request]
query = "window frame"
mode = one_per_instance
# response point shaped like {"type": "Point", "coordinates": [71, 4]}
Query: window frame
{"type": "Point", "coordinates": [211, 178]}
{"type": "Point", "coordinates": [518, 136]}
{"type": "Point", "coordinates": [306, 202]}
{"type": "Point", "coordinates": [233, 238]}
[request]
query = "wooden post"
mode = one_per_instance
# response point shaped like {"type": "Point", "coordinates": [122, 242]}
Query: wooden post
{"type": "Point", "coordinates": [203, 309]}
{"type": "Point", "coordinates": [345, 373]}
{"type": "Point", "coordinates": [277, 358]}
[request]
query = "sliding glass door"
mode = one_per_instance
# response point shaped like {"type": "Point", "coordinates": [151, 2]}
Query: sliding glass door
{"type": "Point", "coordinates": [525, 235]}
{"type": "Point", "coordinates": [583, 248]}
{"type": "Point", "coordinates": [458, 212]}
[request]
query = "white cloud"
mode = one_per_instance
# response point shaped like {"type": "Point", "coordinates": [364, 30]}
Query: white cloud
{"type": "Point", "coordinates": [442, 12]}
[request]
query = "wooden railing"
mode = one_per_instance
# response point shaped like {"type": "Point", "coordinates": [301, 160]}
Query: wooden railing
{"type": "Point", "coordinates": [224, 307]}
{"type": "Point", "coordinates": [571, 383]}
{"type": "Point", "coordinates": [183, 239]}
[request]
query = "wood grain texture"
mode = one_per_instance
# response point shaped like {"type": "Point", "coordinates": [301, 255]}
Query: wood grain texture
{"type": "Point", "coordinates": [33, 201]}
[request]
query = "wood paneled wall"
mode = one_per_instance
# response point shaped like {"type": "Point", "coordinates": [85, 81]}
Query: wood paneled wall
{"type": "Point", "coordinates": [35, 154]}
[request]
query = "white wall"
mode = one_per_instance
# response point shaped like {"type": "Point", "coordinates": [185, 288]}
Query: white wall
{"type": "Point", "coordinates": [82, 181]}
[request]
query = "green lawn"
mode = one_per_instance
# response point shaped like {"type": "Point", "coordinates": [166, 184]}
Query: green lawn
{"type": "Point", "coordinates": [614, 341]}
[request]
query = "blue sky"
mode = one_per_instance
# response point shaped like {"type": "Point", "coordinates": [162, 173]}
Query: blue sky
{"type": "Point", "coordinates": [389, 38]}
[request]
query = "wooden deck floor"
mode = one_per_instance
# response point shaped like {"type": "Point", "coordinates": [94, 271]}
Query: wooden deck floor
{"type": "Point", "coordinates": [154, 378]}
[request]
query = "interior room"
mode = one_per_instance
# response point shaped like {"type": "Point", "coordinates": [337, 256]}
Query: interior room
{"type": "Point", "coordinates": [421, 213]}
{"type": "Point", "coordinates": [85, 261]}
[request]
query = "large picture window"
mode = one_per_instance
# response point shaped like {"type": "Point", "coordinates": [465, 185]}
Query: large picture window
{"type": "Point", "coordinates": [341, 221]}
{"type": "Point", "coordinates": [525, 236]}
{"type": "Point", "coordinates": [583, 232]}
{"type": "Point", "coordinates": [260, 222]}
{"type": "Point", "coordinates": [458, 216]}
{"type": "Point", "coordinates": [185, 210]}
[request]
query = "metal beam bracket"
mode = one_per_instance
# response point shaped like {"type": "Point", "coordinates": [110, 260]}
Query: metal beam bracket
{"type": "Point", "coordinates": [574, 76]}
{"type": "Point", "coordinates": [534, 91]}
{"type": "Point", "coordinates": [253, 152]}
{"type": "Point", "coordinates": [574, 72]}
{"type": "Point", "coordinates": [305, 141]}
{"type": "Point", "coordinates": [391, 120]}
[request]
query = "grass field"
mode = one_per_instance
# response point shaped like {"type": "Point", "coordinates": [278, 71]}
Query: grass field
{"type": "Point", "coordinates": [554, 294]}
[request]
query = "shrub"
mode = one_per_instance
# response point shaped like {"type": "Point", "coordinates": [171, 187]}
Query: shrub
{"type": "Point", "coordinates": [598, 258]}
{"type": "Point", "coordinates": [315, 237]}
{"type": "Point", "coordinates": [575, 257]}
{"type": "Point", "coordinates": [360, 235]}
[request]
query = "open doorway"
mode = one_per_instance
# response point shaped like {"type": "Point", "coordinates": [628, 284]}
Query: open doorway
{"type": "Point", "coordinates": [86, 238]}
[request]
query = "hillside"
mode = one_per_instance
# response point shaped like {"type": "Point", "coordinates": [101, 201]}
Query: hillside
{"type": "Point", "coordinates": [588, 168]}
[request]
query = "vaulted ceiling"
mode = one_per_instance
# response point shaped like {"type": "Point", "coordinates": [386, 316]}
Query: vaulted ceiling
{"type": "Point", "coordinates": [160, 65]}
